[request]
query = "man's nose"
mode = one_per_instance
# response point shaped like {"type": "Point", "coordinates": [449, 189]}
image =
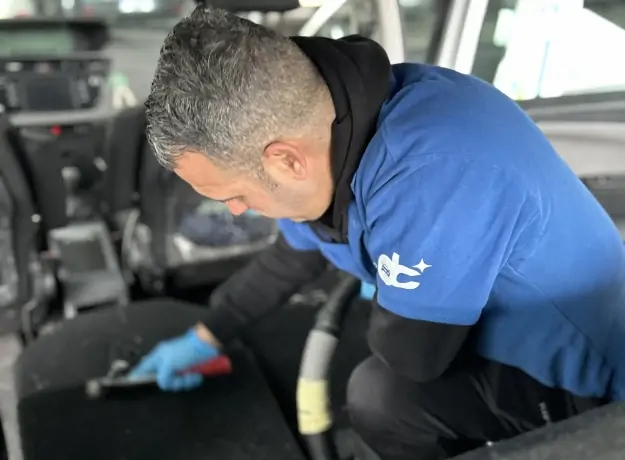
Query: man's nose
{"type": "Point", "coordinates": [236, 207]}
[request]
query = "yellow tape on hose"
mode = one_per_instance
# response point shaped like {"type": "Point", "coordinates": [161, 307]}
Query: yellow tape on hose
{"type": "Point", "coordinates": [313, 413]}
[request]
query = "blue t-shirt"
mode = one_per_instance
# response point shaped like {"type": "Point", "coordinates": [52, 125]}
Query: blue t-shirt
{"type": "Point", "coordinates": [464, 214]}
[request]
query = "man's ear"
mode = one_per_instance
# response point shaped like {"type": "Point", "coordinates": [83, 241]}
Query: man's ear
{"type": "Point", "coordinates": [285, 160]}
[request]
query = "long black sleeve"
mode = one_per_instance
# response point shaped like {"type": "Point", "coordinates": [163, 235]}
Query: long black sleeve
{"type": "Point", "coordinates": [418, 350]}
{"type": "Point", "coordinates": [266, 283]}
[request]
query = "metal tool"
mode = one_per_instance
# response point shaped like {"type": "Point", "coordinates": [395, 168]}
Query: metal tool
{"type": "Point", "coordinates": [117, 375]}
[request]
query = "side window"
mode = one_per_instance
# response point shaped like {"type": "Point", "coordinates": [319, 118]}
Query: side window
{"type": "Point", "coordinates": [422, 24]}
{"type": "Point", "coordinates": [353, 17]}
{"type": "Point", "coordinates": [551, 48]}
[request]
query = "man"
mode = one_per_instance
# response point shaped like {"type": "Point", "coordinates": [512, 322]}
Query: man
{"type": "Point", "coordinates": [500, 302]}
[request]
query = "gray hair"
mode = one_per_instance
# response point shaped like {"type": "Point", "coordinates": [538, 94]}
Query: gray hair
{"type": "Point", "coordinates": [227, 87]}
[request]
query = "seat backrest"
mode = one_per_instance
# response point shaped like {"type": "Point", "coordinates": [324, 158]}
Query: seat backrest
{"type": "Point", "coordinates": [28, 197]}
{"type": "Point", "coordinates": [597, 435]}
{"type": "Point", "coordinates": [19, 229]}
{"type": "Point", "coordinates": [43, 169]}
{"type": "Point", "coordinates": [178, 229]}
{"type": "Point", "coordinates": [171, 227]}
{"type": "Point", "coordinates": [123, 156]}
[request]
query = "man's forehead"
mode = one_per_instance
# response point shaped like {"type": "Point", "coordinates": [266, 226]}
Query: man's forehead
{"type": "Point", "coordinates": [199, 171]}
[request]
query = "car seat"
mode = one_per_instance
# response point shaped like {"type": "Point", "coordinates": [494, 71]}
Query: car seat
{"type": "Point", "coordinates": [596, 435]}
{"type": "Point", "coordinates": [251, 409]}
{"type": "Point", "coordinates": [26, 281]}
{"type": "Point", "coordinates": [124, 144]}
{"type": "Point", "coordinates": [232, 417]}
{"type": "Point", "coordinates": [56, 421]}
{"type": "Point", "coordinates": [171, 236]}
{"type": "Point", "coordinates": [69, 253]}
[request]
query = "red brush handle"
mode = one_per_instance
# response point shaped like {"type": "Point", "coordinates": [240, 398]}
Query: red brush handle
{"type": "Point", "coordinates": [221, 365]}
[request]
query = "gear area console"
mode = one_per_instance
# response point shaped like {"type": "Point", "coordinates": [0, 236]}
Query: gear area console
{"type": "Point", "coordinates": [88, 268]}
{"type": "Point", "coordinates": [40, 84]}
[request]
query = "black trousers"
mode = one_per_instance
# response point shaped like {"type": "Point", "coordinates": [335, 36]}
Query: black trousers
{"type": "Point", "coordinates": [474, 402]}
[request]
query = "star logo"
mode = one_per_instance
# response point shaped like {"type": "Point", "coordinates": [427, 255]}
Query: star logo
{"type": "Point", "coordinates": [421, 266]}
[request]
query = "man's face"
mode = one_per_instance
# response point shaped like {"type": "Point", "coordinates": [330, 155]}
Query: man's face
{"type": "Point", "coordinates": [298, 186]}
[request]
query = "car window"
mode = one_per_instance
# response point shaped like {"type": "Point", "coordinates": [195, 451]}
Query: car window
{"type": "Point", "coordinates": [552, 48]}
{"type": "Point", "coordinates": [422, 24]}
{"type": "Point", "coordinates": [353, 17]}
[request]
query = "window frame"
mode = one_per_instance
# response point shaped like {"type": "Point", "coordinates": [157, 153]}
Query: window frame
{"type": "Point", "coordinates": [440, 28]}
{"type": "Point", "coordinates": [350, 7]}
{"type": "Point", "coordinates": [390, 28]}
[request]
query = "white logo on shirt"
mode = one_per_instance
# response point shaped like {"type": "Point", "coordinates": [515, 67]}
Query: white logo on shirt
{"type": "Point", "coordinates": [389, 270]}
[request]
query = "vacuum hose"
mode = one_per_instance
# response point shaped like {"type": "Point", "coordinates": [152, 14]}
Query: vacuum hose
{"type": "Point", "coordinates": [314, 410]}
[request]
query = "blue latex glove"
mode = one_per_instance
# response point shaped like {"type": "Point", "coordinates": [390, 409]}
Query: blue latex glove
{"type": "Point", "coordinates": [367, 291]}
{"type": "Point", "coordinates": [170, 357]}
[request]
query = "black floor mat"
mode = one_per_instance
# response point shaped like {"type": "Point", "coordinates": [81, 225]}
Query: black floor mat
{"type": "Point", "coordinates": [233, 417]}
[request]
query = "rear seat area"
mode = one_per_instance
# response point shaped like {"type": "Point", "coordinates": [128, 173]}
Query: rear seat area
{"type": "Point", "coordinates": [64, 347]}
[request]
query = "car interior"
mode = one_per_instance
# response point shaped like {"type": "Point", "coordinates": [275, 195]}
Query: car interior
{"type": "Point", "coordinates": [103, 254]}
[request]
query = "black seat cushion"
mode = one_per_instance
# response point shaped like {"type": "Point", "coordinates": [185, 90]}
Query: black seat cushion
{"type": "Point", "coordinates": [596, 435]}
{"type": "Point", "coordinates": [232, 417]}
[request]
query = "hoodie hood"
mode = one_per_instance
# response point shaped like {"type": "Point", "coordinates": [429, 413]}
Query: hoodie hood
{"type": "Point", "coordinates": [358, 74]}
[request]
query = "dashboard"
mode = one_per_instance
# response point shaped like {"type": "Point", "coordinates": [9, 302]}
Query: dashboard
{"type": "Point", "coordinates": [49, 64]}
{"type": "Point", "coordinates": [40, 83]}
{"type": "Point", "coordinates": [54, 72]}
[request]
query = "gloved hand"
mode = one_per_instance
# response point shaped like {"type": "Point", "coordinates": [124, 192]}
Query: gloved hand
{"type": "Point", "coordinates": [169, 358]}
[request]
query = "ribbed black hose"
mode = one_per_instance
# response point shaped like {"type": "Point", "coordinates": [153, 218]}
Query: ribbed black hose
{"type": "Point", "coordinates": [313, 397]}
